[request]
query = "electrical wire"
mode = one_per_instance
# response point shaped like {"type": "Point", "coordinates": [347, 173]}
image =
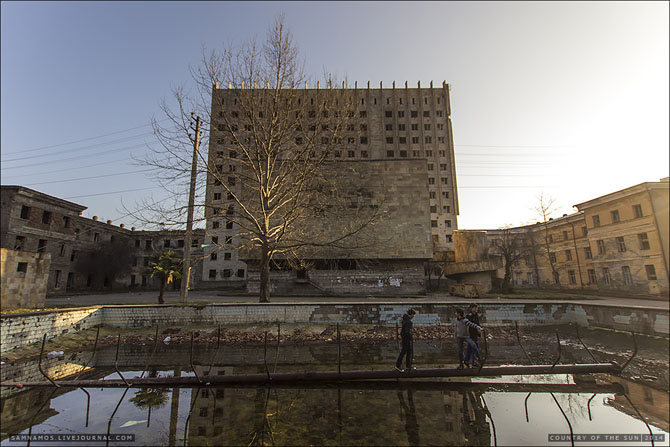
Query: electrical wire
{"type": "Point", "coordinates": [79, 157]}
{"type": "Point", "coordinates": [89, 178]}
{"type": "Point", "coordinates": [112, 192]}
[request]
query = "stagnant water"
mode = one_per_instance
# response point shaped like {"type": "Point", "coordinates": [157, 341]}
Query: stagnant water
{"type": "Point", "coordinates": [477, 411]}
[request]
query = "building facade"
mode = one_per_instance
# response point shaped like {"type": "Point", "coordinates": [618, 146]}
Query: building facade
{"type": "Point", "coordinates": [617, 242]}
{"type": "Point", "coordinates": [394, 125]}
{"type": "Point", "coordinates": [85, 254]}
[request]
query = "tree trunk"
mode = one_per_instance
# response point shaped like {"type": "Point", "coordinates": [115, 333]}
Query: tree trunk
{"type": "Point", "coordinates": [265, 274]}
{"type": "Point", "coordinates": [160, 293]}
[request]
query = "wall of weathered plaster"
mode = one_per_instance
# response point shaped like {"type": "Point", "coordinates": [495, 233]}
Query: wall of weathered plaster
{"type": "Point", "coordinates": [22, 329]}
{"type": "Point", "coordinates": [26, 328]}
{"type": "Point", "coordinates": [26, 289]}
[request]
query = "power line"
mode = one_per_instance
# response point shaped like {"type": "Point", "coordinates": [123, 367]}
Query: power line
{"type": "Point", "coordinates": [108, 193]}
{"type": "Point", "coordinates": [79, 157]}
{"type": "Point", "coordinates": [75, 167]}
{"type": "Point", "coordinates": [122, 140]}
{"type": "Point", "coordinates": [85, 139]}
{"type": "Point", "coordinates": [88, 178]}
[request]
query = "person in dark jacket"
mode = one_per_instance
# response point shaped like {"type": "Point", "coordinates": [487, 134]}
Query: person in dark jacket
{"type": "Point", "coordinates": [462, 335]}
{"type": "Point", "coordinates": [471, 353]}
{"type": "Point", "coordinates": [407, 343]}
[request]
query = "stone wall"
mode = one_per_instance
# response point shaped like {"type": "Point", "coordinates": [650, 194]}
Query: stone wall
{"type": "Point", "coordinates": [26, 288]}
{"type": "Point", "coordinates": [23, 329]}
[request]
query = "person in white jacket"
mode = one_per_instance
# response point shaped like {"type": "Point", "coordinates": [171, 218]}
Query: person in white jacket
{"type": "Point", "coordinates": [462, 335]}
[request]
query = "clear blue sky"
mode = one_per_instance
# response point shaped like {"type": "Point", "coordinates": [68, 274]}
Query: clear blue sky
{"type": "Point", "coordinates": [568, 98]}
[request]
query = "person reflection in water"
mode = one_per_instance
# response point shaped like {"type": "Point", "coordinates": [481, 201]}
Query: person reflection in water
{"type": "Point", "coordinates": [408, 414]}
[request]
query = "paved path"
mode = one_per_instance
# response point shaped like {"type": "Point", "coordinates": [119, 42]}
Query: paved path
{"type": "Point", "coordinates": [213, 296]}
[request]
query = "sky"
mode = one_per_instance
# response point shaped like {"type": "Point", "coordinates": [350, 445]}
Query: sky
{"type": "Point", "coordinates": [565, 99]}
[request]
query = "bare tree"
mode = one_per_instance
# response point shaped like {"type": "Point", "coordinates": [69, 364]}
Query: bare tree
{"type": "Point", "coordinates": [275, 152]}
{"type": "Point", "coordinates": [513, 246]}
{"type": "Point", "coordinates": [544, 208]}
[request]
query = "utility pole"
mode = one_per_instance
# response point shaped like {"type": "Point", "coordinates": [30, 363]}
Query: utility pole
{"type": "Point", "coordinates": [186, 275]}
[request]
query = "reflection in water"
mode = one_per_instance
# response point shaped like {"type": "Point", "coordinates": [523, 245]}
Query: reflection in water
{"type": "Point", "coordinates": [399, 413]}
{"type": "Point", "coordinates": [408, 414]}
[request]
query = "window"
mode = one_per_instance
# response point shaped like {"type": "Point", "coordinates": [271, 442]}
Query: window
{"type": "Point", "coordinates": [644, 241]}
{"type": "Point", "coordinates": [226, 273]}
{"type": "Point", "coordinates": [449, 238]}
{"type": "Point", "coordinates": [571, 277]}
{"type": "Point", "coordinates": [145, 260]}
{"type": "Point", "coordinates": [443, 180]}
{"type": "Point", "coordinates": [389, 127]}
{"type": "Point", "coordinates": [446, 208]}
{"type": "Point", "coordinates": [592, 276]}
{"type": "Point", "coordinates": [401, 113]}
{"type": "Point", "coordinates": [637, 211]}
{"type": "Point", "coordinates": [447, 223]}
{"type": "Point", "coordinates": [415, 140]}
{"type": "Point", "coordinates": [402, 140]}
{"type": "Point", "coordinates": [18, 244]}
{"type": "Point", "coordinates": [240, 273]}
{"type": "Point", "coordinates": [351, 154]}
{"type": "Point", "coordinates": [166, 243]}
{"type": "Point", "coordinates": [426, 127]}
{"type": "Point", "coordinates": [413, 113]}
{"type": "Point", "coordinates": [217, 196]}
{"type": "Point", "coordinates": [180, 243]}
{"type": "Point", "coordinates": [431, 180]}
{"type": "Point", "coordinates": [364, 127]}
{"type": "Point", "coordinates": [606, 276]}
{"type": "Point", "coordinates": [439, 112]}
{"type": "Point", "coordinates": [443, 166]}
{"type": "Point", "coordinates": [596, 220]}
{"type": "Point", "coordinates": [627, 277]}
{"type": "Point", "coordinates": [428, 139]}
{"type": "Point", "coordinates": [66, 222]}
{"type": "Point", "coordinates": [557, 278]}
{"type": "Point", "coordinates": [440, 127]}
{"type": "Point", "coordinates": [587, 253]}
{"type": "Point", "coordinates": [550, 238]}
{"type": "Point", "coordinates": [134, 261]}
{"type": "Point", "coordinates": [147, 244]}
{"type": "Point", "coordinates": [42, 245]}
{"type": "Point", "coordinates": [212, 274]}
{"type": "Point", "coordinates": [415, 127]}
{"type": "Point", "coordinates": [440, 140]}
{"type": "Point", "coordinates": [433, 223]}
{"type": "Point", "coordinates": [226, 256]}
{"type": "Point", "coordinates": [552, 257]}
{"type": "Point", "coordinates": [651, 272]}
{"type": "Point", "coordinates": [401, 126]}
{"type": "Point", "coordinates": [403, 154]}
{"type": "Point", "coordinates": [74, 252]}
{"type": "Point", "coordinates": [445, 194]}
{"type": "Point", "coordinates": [568, 255]}
{"type": "Point", "coordinates": [615, 216]}
{"type": "Point", "coordinates": [62, 249]}
{"type": "Point", "coordinates": [25, 212]}
{"type": "Point", "coordinates": [58, 277]}
{"type": "Point", "coordinates": [215, 240]}
{"type": "Point", "coordinates": [429, 153]}
{"type": "Point", "coordinates": [565, 235]}
{"type": "Point", "coordinates": [388, 114]}
{"type": "Point", "coordinates": [229, 225]}
{"type": "Point", "coordinates": [389, 140]}
{"type": "Point", "coordinates": [430, 166]}
{"type": "Point", "coordinates": [46, 217]}
{"type": "Point", "coordinates": [364, 140]}
{"type": "Point", "coordinates": [215, 224]}
{"type": "Point", "coordinates": [433, 208]}
{"type": "Point", "coordinates": [194, 243]}
{"type": "Point", "coordinates": [23, 267]}
{"type": "Point", "coordinates": [621, 244]}
{"type": "Point", "coordinates": [364, 154]}
{"type": "Point", "coordinates": [426, 113]}
{"type": "Point", "coordinates": [601, 247]}
{"type": "Point", "coordinates": [585, 232]}
{"type": "Point", "coordinates": [229, 240]}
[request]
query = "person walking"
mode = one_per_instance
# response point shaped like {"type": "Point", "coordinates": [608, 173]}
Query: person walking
{"type": "Point", "coordinates": [473, 317]}
{"type": "Point", "coordinates": [407, 342]}
{"type": "Point", "coordinates": [463, 336]}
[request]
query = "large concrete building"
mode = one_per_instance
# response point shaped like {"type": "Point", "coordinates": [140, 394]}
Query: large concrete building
{"type": "Point", "coordinates": [402, 137]}
{"type": "Point", "coordinates": [616, 242]}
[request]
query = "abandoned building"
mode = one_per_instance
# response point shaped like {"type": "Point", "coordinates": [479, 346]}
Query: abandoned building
{"type": "Point", "coordinates": [47, 230]}
{"type": "Point", "coordinates": [616, 242]}
{"type": "Point", "coordinates": [400, 142]}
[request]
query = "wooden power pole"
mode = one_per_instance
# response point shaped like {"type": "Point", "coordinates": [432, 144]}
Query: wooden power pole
{"type": "Point", "coordinates": [186, 275]}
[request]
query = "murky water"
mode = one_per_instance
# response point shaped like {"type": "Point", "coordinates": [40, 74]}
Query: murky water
{"type": "Point", "coordinates": [477, 411]}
